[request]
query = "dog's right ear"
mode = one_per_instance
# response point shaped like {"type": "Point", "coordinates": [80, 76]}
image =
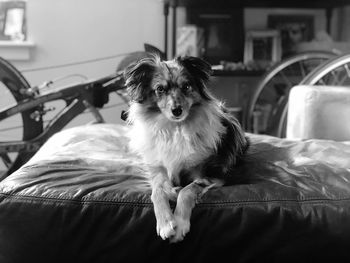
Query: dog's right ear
{"type": "Point", "coordinates": [138, 77]}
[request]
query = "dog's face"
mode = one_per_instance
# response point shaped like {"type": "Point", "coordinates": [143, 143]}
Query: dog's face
{"type": "Point", "coordinates": [172, 88]}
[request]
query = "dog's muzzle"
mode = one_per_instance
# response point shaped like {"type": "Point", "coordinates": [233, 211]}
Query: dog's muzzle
{"type": "Point", "coordinates": [177, 111]}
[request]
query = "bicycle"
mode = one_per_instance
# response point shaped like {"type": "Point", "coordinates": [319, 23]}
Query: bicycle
{"type": "Point", "coordinates": [30, 104]}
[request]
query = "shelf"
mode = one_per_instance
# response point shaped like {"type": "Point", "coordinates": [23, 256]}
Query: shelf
{"type": "Point", "coordinates": [15, 51]}
{"type": "Point", "coordinates": [259, 3]}
{"type": "Point", "coordinates": [241, 4]}
{"type": "Point", "coordinates": [238, 73]}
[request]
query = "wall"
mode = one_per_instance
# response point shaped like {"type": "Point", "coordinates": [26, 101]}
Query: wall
{"type": "Point", "coordinates": [68, 31]}
{"type": "Point", "coordinates": [73, 30]}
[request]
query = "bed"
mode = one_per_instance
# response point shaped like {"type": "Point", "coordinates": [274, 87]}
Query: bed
{"type": "Point", "coordinates": [83, 198]}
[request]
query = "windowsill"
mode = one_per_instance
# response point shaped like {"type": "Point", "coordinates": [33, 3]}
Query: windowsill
{"type": "Point", "coordinates": [15, 51]}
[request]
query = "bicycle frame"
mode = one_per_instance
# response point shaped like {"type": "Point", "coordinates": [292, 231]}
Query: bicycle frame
{"type": "Point", "coordinates": [78, 98]}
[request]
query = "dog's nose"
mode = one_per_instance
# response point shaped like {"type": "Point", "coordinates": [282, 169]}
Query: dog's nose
{"type": "Point", "coordinates": [177, 111]}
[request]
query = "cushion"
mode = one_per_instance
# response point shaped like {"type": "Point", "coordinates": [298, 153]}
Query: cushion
{"type": "Point", "coordinates": [84, 198]}
{"type": "Point", "coordinates": [319, 112]}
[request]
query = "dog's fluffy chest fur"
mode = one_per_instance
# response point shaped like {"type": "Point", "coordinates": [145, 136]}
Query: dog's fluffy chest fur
{"type": "Point", "coordinates": [175, 146]}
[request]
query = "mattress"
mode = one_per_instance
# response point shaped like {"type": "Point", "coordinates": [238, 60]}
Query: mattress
{"type": "Point", "coordinates": [84, 197]}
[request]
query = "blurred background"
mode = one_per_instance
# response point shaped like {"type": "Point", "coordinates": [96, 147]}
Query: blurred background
{"type": "Point", "coordinates": [91, 37]}
{"type": "Point", "coordinates": [54, 39]}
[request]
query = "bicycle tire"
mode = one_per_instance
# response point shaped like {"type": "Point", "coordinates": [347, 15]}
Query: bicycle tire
{"type": "Point", "coordinates": [326, 68]}
{"type": "Point", "coordinates": [268, 78]}
{"type": "Point", "coordinates": [16, 84]}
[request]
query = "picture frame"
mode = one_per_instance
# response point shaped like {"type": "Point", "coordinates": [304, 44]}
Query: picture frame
{"type": "Point", "coordinates": [13, 26]}
{"type": "Point", "coordinates": [293, 29]}
{"type": "Point", "coordinates": [262, 46]}
{"type": "Point", "coordinates": [223, 32]}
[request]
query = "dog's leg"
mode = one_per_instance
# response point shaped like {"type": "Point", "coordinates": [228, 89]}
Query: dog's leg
{"type": "Point", "coordinates": [162, 191]}
{"type": "Point", "coordinates": [186, 201]}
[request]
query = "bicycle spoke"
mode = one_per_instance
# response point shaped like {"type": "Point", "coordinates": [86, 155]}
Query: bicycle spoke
{"type": "Point", "coordinates": [302, 69]}
{"type": "Point", "coordinates": [328, 79]}
{"type": "Point", "coordinates": [321, 82]}
{"type": "Point", "coordinates": [346, 75]}
{"type": "Point", "coordinates": [335, 78]}
{"type": "Point", "coordinates": [343, 77]}
{"type": "Point", "coordinates": [347, 70]}
{"type": "Point", "coordinates": [6, 160]}
{"type": "Point", "coordinates": [289, 83]}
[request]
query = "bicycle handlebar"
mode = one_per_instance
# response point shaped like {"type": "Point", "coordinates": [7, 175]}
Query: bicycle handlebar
{"type": "Point", "coordinates": [96, 91]}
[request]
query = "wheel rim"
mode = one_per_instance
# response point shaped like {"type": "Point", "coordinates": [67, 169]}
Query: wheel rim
{"type": "Point", "coordinates": [19, 127]}
{"type": "Point", "coordinates": [11, 129]}
{"type": "Point", "coordinates": [335, 72]}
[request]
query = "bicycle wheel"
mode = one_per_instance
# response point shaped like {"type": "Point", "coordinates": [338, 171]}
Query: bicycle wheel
{"type": "Point", "coordinates": [334, 72]}
{"type": "Point", "coordinates": [16, 128]}
{"type": "Point", "coordinates": [271, 95]}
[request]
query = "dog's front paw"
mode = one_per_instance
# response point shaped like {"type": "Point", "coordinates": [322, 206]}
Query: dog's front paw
{"type": "Point", "coordinates": [182, 228]}
{"type": "Point", "coordinates": [167, 229]}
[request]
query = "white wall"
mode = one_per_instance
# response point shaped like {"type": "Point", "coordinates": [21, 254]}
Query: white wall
{"type": "Point", "coordinates": [68, 31]}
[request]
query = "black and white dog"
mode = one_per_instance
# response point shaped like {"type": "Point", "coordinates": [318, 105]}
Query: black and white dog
{"type": "Point", "coordinates": [185, 136]}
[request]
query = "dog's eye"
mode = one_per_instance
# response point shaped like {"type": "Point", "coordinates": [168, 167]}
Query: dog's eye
{"type": "Point", "coordinates": [186, 87]}
{"type": "Point", "coordinates": [160, 89]}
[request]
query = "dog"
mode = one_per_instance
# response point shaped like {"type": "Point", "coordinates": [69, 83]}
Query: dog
{"type": "Point", "coordinates": [185, 136]}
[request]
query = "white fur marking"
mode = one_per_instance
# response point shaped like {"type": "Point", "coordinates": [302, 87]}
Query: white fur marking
{"type": "Point", "coordinates": [176, 145]}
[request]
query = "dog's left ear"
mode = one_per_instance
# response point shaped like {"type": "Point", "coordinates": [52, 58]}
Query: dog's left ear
{"type": "Point", "coordinates": [196, 67]}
